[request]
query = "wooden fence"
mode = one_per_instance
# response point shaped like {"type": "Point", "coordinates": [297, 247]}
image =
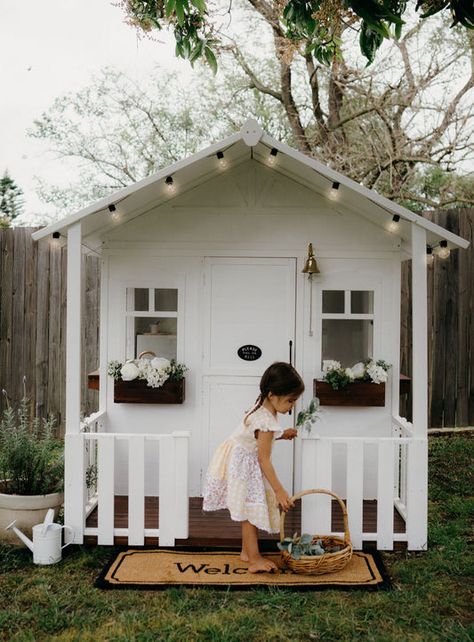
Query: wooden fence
{"type": "Point", "coordinates": [33, 325]}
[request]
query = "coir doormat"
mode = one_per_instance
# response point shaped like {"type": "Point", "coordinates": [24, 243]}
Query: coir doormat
{"type": "Point", "coordinates": [145, 568]}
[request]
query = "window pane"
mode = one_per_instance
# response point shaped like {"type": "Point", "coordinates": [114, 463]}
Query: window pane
{"type": "Point", "coordinates": [333, 301]}
{"type": "Point", "coordinates": [137, 299]}
{"type": "Point", "coordinates": [166, 300]}
{"type": "Point", "coordinates": [156, 335]}
{"type": "Point", "coordinates": [347, 341]}
{"type": "Point", "coordinates": [362, 302]}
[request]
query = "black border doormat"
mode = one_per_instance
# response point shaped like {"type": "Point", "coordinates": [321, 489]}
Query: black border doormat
{"type": "Point", "coordinates": [154, 568]}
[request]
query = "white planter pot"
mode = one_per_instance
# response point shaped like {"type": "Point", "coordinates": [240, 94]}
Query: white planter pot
{"type": "Point", "coordinates": [27, 510]}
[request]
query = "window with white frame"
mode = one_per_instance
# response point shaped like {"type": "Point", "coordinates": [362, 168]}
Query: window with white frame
{"type": "Point", "coordinates": [347, 325]}
{"type": "Point", "coordinates": [152, 321]}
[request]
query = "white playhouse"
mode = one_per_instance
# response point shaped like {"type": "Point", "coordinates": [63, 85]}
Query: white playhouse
{"type": "Point", "coordinates": [203, 262]}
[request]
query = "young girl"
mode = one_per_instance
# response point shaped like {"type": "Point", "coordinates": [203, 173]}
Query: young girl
{"type": "Point", "coordinates": [241, 476]}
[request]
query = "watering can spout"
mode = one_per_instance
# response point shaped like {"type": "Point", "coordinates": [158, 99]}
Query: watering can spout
{"type": "Point", "coordinates": [21, 535]}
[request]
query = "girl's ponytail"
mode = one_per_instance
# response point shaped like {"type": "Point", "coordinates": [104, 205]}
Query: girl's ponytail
{"type": "Point", "coordinates": [280, 379]}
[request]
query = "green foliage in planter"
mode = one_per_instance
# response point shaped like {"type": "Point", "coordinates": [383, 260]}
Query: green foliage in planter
{"type": "Point", "coordinates": [31, 458]}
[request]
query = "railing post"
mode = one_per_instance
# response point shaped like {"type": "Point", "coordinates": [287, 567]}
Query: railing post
{"type": "Point", "coordinates": [74, 493]}
{"type": "Point", "coordinates": [136, 490]}
{"type": "Point", "coordinates": [355, 490]}
{"type": "Point", "coordinates": [385, 496]}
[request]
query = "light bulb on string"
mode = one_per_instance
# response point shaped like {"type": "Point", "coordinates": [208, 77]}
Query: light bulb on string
{"type": "Point", "coordinates": [55, 240]}
{"type": "Point", "coordinates": [273, 156]}
{"type": "Point", "coordinates": [334, 191]}
{"type": "Point", "coordinates": [222, 160]}
{"type": "Point", "coordinates": [429, 255]}
{"type": "Point", "coordinates": [443, 251]}
{"type": "Point", "coordinates": [170, 185]}
{"type": "Point", "coordinates": [394, 224]}
{"type": "Point", "coordinates": [114, 214]}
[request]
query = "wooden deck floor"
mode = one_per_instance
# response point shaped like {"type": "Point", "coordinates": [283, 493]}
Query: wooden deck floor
{"type": "Point", "coordinates": [217, 529]}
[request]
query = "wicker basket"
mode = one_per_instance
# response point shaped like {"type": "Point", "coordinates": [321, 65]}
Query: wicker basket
{"type": "Point", "coordinates": [329, 562]}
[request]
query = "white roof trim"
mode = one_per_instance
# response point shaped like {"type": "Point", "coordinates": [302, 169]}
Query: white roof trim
{"type": "Point", "coordinates": [251, 129]}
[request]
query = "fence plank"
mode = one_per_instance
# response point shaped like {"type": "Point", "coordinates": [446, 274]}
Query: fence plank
{"type": "Point", "coordinates": [42, 330]}
{"type": "Point", "coordinates": [136, 490]}
{"type": "Point", "coordinates": [385, 495]}
{"type": "Point", "coordinates": [355, 490]}
{"type": "Point", "coordinates": [451, 328]}
{"type": "Point", "coordinates": [105, 489]}
{"type": "Point", "coordinates": [6, 285]}
{"type": "Point", "coordinates": [166, 480]}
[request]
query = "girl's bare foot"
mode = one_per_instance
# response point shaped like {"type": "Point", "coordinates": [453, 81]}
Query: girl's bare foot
{"type": "Point", "coordinates": [243, 556]}
{"type": "Point", "coordinates": [262, 565]}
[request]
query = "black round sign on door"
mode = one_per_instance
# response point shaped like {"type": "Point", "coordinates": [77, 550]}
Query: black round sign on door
{"type": "Point", "coordinates": [249, 353]}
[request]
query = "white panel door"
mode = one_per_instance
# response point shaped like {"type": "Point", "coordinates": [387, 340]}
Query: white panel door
{"type": "Point", "coordinates": [248, 301]}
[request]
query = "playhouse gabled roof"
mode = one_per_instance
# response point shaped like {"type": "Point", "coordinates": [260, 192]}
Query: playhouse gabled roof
{"type": "Point", "coordinates": [250, 142]}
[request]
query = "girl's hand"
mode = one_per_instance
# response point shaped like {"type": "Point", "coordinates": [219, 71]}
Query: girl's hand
{"type": "Point", "coordinates": [289, 433]}
{"type": "Point", "coordinates": [284, 499]}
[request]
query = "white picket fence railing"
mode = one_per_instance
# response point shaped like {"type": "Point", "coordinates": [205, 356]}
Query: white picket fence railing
{"type": "Point", "coordinates": [401, 482]}
{"type": "Point", "coordinates": [97, 466]}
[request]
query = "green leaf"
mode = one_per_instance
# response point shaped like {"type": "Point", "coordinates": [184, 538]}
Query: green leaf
{"type": "Point", "coordinates": [169, 7]}
{"type": "Point", "coordinates": [200, 5]}
{"type": "Point", "coordinates": [211, 59]}
{"type": "Point", "coordinates": [180, 11]}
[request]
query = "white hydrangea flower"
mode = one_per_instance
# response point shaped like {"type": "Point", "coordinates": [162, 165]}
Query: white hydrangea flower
{"type": "Point", "coordinates": [160, 363]}
{"type": "Point", "coordinates": [358, 370]}
{"type": "Point", "coordinates": [349, 373]}
{"type": "Point", "coordinates": [377, 373]}
{"type": "Point", "coordinates": [330, 365]}
{"type": "Point", "coordinates": [156, 378]}
{"type": "Point", "coordinates": [129, 371]}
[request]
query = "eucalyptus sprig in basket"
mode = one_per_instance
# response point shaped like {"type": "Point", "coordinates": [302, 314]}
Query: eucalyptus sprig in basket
{"type": "Point", "coordinates": [316, 554]}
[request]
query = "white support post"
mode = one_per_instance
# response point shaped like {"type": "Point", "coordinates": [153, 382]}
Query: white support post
{"type": "Point", "coordinates": [417, 495]}
{"type": "Point", "coordinates": [103, 332]}
{"type": "Point", "coordinates": [417, 473]}
{"type": "Point", "coordinates": [167, 481]}
{"type": "Point", "coordinates": [74, 487]}
{"type": "Point", "coordinates": [73, 330]}
{"type": "Point", "coordinates": [420, 332]}
{"type": "Point", "coordinates": [74, 497]}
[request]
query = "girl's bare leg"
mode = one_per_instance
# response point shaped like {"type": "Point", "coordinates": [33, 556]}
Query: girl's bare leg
{"type": "Point", "coordinates": [250, 551]}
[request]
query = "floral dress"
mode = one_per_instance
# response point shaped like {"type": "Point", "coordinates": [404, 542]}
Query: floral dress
{"type": "Point", "coordinates": [235, 480]}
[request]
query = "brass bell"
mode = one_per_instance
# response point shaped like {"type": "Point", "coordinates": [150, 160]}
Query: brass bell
{"type": "Point", "coordinates": [310, 267]}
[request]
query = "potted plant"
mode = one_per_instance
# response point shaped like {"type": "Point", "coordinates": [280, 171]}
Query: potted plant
{"type": "Point", "coordinates": [31, 469]}
{"type": "Point", "coordinates": [146, 380]}
{"type": "Point", "coordinates": [361, 385]}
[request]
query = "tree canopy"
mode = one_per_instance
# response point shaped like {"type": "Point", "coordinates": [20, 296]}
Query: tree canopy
{"type": "Point", "coordinates": [403, 127]}
{"type": "Point", "coordinates": [11, 200]}
{"type": "Point", "coordinates": [315, 27]}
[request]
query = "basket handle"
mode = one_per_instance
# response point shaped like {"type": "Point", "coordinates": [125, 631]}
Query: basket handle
{"type": "Point", "coordinates": [347, 537]}
{"type": "Point", "coordinates": [146, 352]}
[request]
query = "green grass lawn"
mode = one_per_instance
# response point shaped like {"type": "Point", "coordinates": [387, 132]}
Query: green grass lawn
{"type": "Point", "coordinates": [431, 599]}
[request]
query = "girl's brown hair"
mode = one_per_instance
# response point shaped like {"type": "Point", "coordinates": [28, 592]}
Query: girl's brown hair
{"type": "Point", "coordinates": [282, 380]}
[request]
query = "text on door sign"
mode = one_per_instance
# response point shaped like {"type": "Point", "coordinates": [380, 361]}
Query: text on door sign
{"type": "Point", "coordinates": [249, 353]}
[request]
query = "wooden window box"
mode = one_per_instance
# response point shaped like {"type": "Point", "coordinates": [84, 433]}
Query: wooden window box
{"type": "Point", "coordinates": [137, 391]}
{"type": "Point", "coordinates": [357, 393]}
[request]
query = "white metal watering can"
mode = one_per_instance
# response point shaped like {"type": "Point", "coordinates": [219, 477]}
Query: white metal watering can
{"type": "Point", "coordinates": [46, 544]}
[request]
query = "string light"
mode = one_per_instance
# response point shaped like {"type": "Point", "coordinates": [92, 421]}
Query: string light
{"type": "Point", "coordinates": [429, 255]}
{"type": "Point", "coordinates": [273, 154]}
{"type": "Point", "coordinates": [171, 187]}
{"type": "Point", "coordinates": [223, 163]}
{"type": "Point", "coordinates": [55, 242]}
{"type": "Point", "coordinates": [394, 224]}
{"type": "Point", "coordinates": [443, 251]}
{"type": "Point", "coordinates": [334, 191]}
{"type": "Point", "coordinates": [114, 215]}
